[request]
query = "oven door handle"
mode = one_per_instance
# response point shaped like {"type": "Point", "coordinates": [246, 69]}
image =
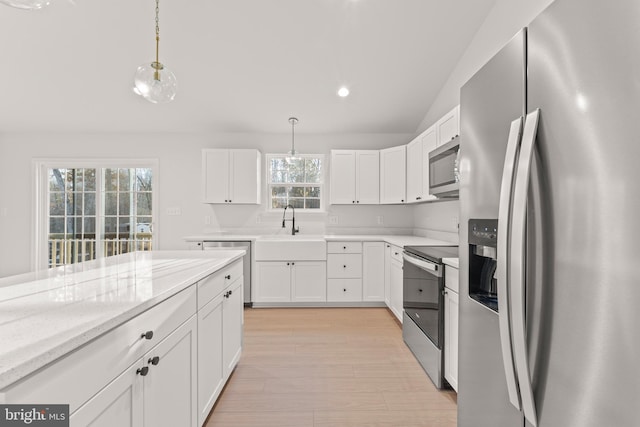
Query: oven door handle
{"type": "Point", "coordinates": [429, 266]}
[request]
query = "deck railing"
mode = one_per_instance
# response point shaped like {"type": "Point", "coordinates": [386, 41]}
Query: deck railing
{"type": "Point", "coordinates": [71, 251]}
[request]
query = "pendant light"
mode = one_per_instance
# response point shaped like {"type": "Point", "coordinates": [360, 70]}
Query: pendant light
{"type": "Point", "coordinates": [153, 81]}
{"type": "Point", "coordinates": [26, 4]}
{"type": "Point", "coordinates": [292, 155]}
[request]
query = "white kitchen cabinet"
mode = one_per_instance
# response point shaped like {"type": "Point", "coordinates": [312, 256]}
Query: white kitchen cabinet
{"type": "Point", "coordinates": [451, 313]}
{"type": "Point", "coordinates": [395, 291]}
{"type": "Point", "coordinates": [231, 176]}
{"type": "Point", "coordinates": [414, 171]}
{"type": "Point", "coordinates": [344, 290]}
{"type": "Point", "coordinates": [291, 281]}
{"type": "Point", "coordinates": [344, 266]}
{"type": "Point", "coordinates": [232, 312]}
{"type": "Point", "coordinates": [429, 142]}
{"type": "Point", "coordinates": [210, 363]}
{"type": "Point", "coordinates": [273, 281]}
{"type": "Point", "coordinates": [170, 386]}
{"type": "Point", "coordinates": [355, 177]}
{"type": "Point", "coordinates": [373, 273]}
{"type": "Point", "coordinates": [393, 178]}
{"type": "Point", "coordinates": [448, 127]}
{"type": "Point", "coordinates": [309, 281]}
{"type": "Point", "coordinates": [387, 274]}
{"type": "Point", "coordinates": [118, 404]}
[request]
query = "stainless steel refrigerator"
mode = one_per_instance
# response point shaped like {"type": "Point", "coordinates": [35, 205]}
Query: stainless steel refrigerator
{"type": "Point", "coordinates": [549, 230]}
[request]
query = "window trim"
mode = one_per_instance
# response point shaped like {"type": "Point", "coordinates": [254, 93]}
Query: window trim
{"type": "Point", "coordinates": [40, 213]}
{"type": "Point", "coordinates": [322, 184]}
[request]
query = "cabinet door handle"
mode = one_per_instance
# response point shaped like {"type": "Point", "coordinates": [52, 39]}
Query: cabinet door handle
{"type": "Point", "coordinates": [154, 360]}
{"type": "Point", "coordinates": [358, 201]}
{"type": "Point", "coordinates": [143, 371]}
{"type": "Point", "coordinates": [226, 295]}
{"type": "Point", "coordinates": [230, 292]}
{"type": "Point", "coordinates": [228, 276]}
{"type": "Point", "coordinates": [229, 200]}
{"type": "Point", "coordinates": [147, 335]}
{"type": "Point", "coordinates": [293, 263]}
{"type": "Point", "coordinates": [288, 263]}
{"type": "Point", "coordinates": [344, 290]}
{"type": "Point", "coordinates": [402, 200]}
{"type": "Point", "coordinates": [353, 201]}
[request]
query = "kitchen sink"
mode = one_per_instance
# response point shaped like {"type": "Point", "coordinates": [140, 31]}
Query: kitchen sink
{"type": "Point", "coordinates": [288, 247]}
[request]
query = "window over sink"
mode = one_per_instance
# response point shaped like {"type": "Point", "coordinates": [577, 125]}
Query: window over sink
{"type": "Point", "coordinates": [298, 181]}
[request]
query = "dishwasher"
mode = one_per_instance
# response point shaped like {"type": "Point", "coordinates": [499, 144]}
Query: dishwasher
{"type": "Point", "coordinates": [246, 261]}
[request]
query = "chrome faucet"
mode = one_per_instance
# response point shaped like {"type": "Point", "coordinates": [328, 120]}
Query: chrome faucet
{"type": "Point", "coordinates": [294, 230]}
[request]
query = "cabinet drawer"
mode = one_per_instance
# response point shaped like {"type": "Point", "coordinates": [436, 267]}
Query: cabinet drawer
{"type": "Point", "coordinates": [212, 285]}
{"type": "Point", "coordinates": [451, 278]}
{"type": "Point", "coordinates": [74, 378]}
{"type": "Point", "coordinates": [344, 290]}
{"type": "Point", "coordinates": [396, 253]}
{"type": "Point", "coordinates": [344, 247]}
{"type": "Point", "coordinates": [344, 266]}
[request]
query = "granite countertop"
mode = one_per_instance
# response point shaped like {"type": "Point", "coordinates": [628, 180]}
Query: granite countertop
{"type": "Point", "coordinates": [397, 240]}
{"type": "Point", "coordinates": [47, 314]}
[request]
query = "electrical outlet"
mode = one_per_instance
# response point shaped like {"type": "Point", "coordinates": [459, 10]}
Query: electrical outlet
{"type": "Point", "coordinates": [380, 220]}
{"type": "Point", "coordinates": [4, 211]}
{"type": "Point", "coordinates": [333, 219]}
{"type": "Point", "coordinates": [258, 219]}
{"type": "Point", "coordinates": [174, 211]}
{"type": "Point", "coordinates": [207, 219]}
{"type": "Point", "coordinates": [454, 222]}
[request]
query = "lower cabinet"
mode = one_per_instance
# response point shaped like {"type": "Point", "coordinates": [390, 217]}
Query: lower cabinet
{"type": "Point", "coordinates": [451, 311]}
{"type": "Point", "coordinates": [393, 273]}
{"type": "Point", "coordinates": [118, 404]}
{"type": "Point", "coordinates": [170, 385]}
{"type": "Point", "coordinates": [157, 391]}
{"type": "Point", "coordinates": [373, 271]}
{"type": "Point", "coordinates": [291, 281]}
{"type": "Point", "coordinates": [219, 345]}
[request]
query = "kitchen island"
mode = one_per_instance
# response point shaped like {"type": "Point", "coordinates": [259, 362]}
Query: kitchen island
{"type": "Point", "coordinates": [71, 332]}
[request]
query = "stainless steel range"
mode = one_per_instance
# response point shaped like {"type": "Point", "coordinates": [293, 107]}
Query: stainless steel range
{"type": "Point", "coordinates": [423, 304]}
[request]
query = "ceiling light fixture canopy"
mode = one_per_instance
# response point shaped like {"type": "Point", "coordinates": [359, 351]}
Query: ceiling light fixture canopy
{"type": "Point", "coordinates": [153, 81]}
{"type": "Point", "coordinates": [293, 153]}
{"type": "Point", "coordinates": [26, 4]}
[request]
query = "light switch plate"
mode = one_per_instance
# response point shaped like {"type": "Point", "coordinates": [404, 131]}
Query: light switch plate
{"type": "Point", "coordinates": [333, 219]}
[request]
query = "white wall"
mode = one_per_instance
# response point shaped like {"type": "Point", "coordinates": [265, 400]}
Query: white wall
{"type": "Point", "coordinates": [179, 157]}
{"type": "Point", "coordinates": [504, 20]}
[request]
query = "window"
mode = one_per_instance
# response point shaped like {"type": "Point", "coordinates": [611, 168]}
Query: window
{"type": "Point", "coordinates": [88, 212]}
{"type": "Point", "coordinates": [297, 182]}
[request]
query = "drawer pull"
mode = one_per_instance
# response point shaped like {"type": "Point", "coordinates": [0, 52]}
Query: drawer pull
{"type": "Point", "coordinates": [147, 335]}
{"type": "Point", "coordinates": [154, 360]}
{"type": "Point", "coordinates": [143, 371]}
{"type": "Point", "coordinates": [344, 247]}
{"type": "Point", "coordinates": [228, 277]}
{"type": "Point", "coordinates": [344, 266]}
{"type": "Point", "coordinates": [344, 290]}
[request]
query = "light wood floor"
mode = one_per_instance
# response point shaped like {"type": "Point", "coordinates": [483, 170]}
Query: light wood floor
{"type": "Point", "coordinates": [329, 367]}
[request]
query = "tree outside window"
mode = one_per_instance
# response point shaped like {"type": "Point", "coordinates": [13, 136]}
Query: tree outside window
{"type": "Point", "coordinates": [96, 212]}
{"type": "Point", "coordinates": [297, 182]}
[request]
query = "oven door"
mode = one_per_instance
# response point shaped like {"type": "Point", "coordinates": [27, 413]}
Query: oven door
{"type": "Point", "coordinates": [423, 299]}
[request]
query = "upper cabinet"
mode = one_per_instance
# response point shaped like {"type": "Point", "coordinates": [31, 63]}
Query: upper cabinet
{"type": "Point", "coordinates": [231, 176]}
{"type": "Point", "coordinates": [444, 130]}
{"type": "Point", "coordinates": [448, 127]}
{"type": "Point", "coordinates": [393, 179]}
{"type": "Point", "coordinates": [355, 177]}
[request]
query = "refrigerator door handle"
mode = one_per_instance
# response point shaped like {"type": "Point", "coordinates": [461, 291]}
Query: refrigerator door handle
{"type": "Point", "coordinates": [504, 221]}
{"type": "Point", "coordinates": [517, 265]}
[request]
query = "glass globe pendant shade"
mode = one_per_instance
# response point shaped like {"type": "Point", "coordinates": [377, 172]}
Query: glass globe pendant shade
{"type": "Point", "coordinates": [26, 4]}
{"type": "Point", "coordinates": [155, 83]}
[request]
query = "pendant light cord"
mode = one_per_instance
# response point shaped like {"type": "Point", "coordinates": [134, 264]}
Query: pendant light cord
{"type": "Point", "coordinates": [157, 66]}
{"type": "Point", "coordinates": [293, 122]}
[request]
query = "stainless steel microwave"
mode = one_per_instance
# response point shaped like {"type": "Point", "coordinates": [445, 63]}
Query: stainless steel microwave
{"type": "Point", "coordinates": [443, 169]}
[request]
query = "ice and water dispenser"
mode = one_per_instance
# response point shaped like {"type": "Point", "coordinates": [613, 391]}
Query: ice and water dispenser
{"type": "Point", "coordinates": [483, 238]}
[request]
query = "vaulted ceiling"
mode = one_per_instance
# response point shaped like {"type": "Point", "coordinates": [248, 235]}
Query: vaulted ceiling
{"type": "Point", "coordinates": [241, 65]}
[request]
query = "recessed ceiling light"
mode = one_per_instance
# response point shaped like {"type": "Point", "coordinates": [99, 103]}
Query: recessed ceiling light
{"type": "Point", "coordinates": [343, 92]}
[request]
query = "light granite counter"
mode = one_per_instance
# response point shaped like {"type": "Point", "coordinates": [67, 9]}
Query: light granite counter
{"type": "Point", "coordinates": [397, 240]}
{"type": "Point", "coordinates": [47, 314]}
